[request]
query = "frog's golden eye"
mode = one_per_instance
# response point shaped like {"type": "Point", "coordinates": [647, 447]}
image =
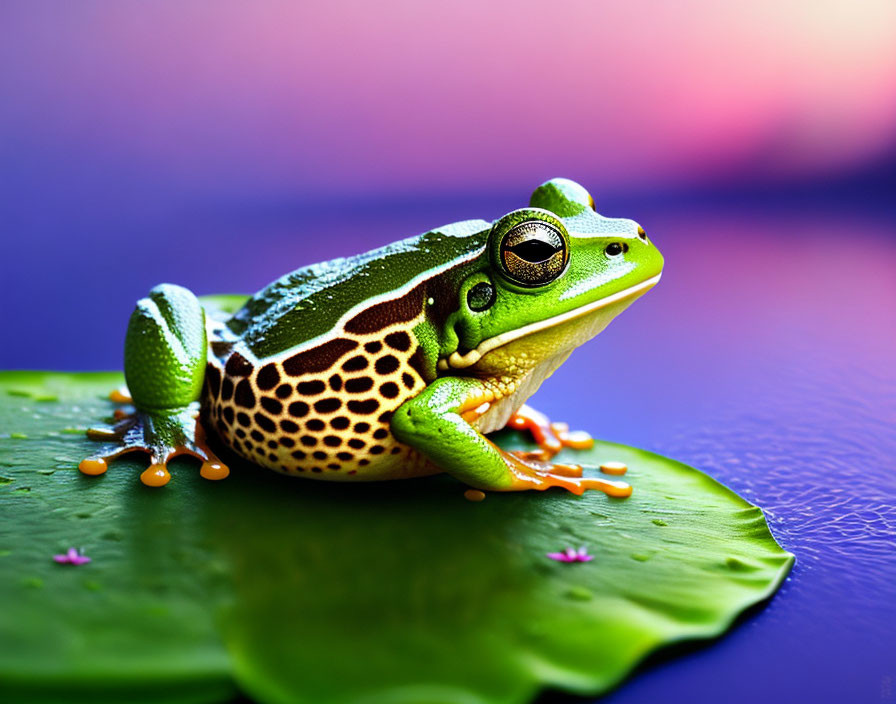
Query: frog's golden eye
{"type": "Point", "coordinates": [533, 253]}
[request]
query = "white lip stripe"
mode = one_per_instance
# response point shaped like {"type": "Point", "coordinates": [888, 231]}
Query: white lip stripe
{"type": "Point", "coordinates": [459, 361]}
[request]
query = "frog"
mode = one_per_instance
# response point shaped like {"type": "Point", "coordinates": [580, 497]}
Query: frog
{"type": "Point", "coordinates": [393, 364]}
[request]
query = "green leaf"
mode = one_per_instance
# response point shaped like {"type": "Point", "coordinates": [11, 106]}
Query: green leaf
{"type": "Point", "coordinates": [299, 591]}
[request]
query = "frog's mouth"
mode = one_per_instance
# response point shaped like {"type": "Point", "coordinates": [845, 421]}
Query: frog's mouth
{"type": "Point", "coordinates": [461, 361]}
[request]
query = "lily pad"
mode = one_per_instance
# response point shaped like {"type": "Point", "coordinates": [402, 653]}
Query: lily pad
{"type": "Point", "coordinates": [290, 590]}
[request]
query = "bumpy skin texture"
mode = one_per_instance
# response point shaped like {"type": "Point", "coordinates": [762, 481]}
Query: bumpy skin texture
{"type": "Point", "coordinates": [395, 362]}
{"type": "Point", "coordinates": [165, 349]}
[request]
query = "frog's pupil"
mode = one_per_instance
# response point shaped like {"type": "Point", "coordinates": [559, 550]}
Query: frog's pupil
{"type": "Point", "coordinates": [534, 250]}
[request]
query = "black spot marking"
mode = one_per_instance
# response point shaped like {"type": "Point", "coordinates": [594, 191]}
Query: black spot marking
{"type": "Point", "coordinates": [377, 450]}
{"type": "Point", "coordinates": [315, 424]}
{"type": "Point", "coordinates": [389, 389]}
{"type": "Point", "coordinates": [373, 347]}
{"type": "Point", "coordinates": [396, 450]}
{"type": "Point", "coordinates": [283, 391]}
{"type": "Point", "coordinates": [273, 457]}
{"type": "Point", "coordinates": [319, 359]}
{"type": "Point", "coordinates": [407, 380]}
{"type": "Point", "coordinates": [311, 388]}
{"type": "Point", "coordinates": [226, 389]}
{"type": "Point", "coordinates": [363, 462]}
{"type": "Point", "coordinates": [222, 429]}
{"type": "Point", "coordinates": [385, 417]}
{"type": "Point", "coordinates": [386, 364]}
{"type": "Point", "coordinates": [333, 466]}
{"type": "Point", "coordinates": [228, 414]}
{"type": "Point", "coordinates": [380, 434]}
{"type": "Point", "coordinates": [355, 364]}
{"type": "Point", "coordinates": [361, 427]}
{"type": "Point", "coordinates": [268, 377]}
{"type": "Point", "coordinates": [299, 455]}
{"type": "Point", "coordinates": [298, 409]}
{"type": "Point", "coordinates": [400, 341]}
{"type": "Point", "coordinates": [356, 443]}
{"type": "Point", "coordinates": [237, 365]}
{"type": "Point", "coordinates": [308, 440]}
{"type": "Point", "coordinates": [243, 395]}
{"type": "Point", "coordinates": [336, 382]}
{"type": "Point", "coordinates": [240, 433]}
{"type": "Point", "coordinates": [287, 441]}
{"type": "Point", "coordinates": [364, 408]}
{"type": "Point", "coordinates": [287, 426]}
{"type": "Point", "coordinates": [249, 446]}
{"type": "Point", "coordinates": [359, 385]}
{"type": "Point", "coordinates": [271, 405]}
{"type": "Point", "coordinates": [339, 423]}
{"type": "Point", "coordinates": [332, 441]}
{"type": "Point", "coordinates": [319, 455]}
{"type": "Point", "coordinates": [256, 436]}
{"type": "Point", "coordinates": [265, 422]}
{"type": "Point", "coordinates": [317, 469]}
{"type": "Point", "coordinates": [213, 379]}
{"type": "Point", "coordinates": [344, 456]}
{"type": "Point", "coordinates": [272, 444]}
{"type": "Point", "coordinates": [327, 405]}
{"type": "Point", "coordinates": [243, 419]}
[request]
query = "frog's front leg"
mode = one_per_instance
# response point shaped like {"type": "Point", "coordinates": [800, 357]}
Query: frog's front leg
{"type": "Point", "coordinates": [164, 367]}
{"type": "Point", "coordinates": [433, 422]}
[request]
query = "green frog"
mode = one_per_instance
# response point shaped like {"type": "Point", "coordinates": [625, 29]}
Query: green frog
{"type": "Point", "coordinates": [391, 364]}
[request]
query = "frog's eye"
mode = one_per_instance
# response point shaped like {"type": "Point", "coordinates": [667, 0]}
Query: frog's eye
{"type": "Point", "coordinates": [533, 253]}
{"type": "Point", "coordinates": [642, 234]}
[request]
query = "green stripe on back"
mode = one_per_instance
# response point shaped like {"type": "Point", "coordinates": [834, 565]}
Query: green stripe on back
{"type": "Point", "coordinates": [309, 302]}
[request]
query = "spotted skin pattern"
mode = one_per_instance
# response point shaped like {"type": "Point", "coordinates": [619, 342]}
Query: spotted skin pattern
{"type": "Point", "coordinates": [323, 412]}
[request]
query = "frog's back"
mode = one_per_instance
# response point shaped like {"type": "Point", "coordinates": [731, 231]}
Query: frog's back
{"type": "Point", "coordinates": [312, 302]}
{"type": "Point", "coordinates": [323, 356]}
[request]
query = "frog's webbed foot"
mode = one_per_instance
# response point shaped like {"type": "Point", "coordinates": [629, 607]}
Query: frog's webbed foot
{"type": "Point", "coordinates": [550, 437]}
{"type": "Point", "coordinates": [528, 473]}
{"type": "Point", "coordinates": [164, 435]}
{"type": "Point", "coordinates": [534, 470]}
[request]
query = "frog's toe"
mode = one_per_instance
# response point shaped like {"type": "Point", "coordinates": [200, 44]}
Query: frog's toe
{"type": "Point", "coordinates": [550, 437]}
{"type": "Point", "coordinates": [566, 470]}
{"type": "Point", "coordinates": [121, 395]}
{"type": "Point", "coordinates": [528, 474]}
{"type": "Point", "coordinates": [162, 437]}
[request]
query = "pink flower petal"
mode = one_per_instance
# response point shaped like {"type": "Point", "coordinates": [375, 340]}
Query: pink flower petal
{"type": "Point", "coordinates": [571, 555]}
{"type": "Point", "coordinates": [72, 557]}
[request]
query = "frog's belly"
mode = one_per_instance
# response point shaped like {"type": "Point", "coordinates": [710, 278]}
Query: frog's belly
{"type": "Point", "coordinates": [323, 413]}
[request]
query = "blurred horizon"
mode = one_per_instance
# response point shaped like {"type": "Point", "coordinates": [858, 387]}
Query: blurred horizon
{"type": "Point", "coordinates": [221, 148]}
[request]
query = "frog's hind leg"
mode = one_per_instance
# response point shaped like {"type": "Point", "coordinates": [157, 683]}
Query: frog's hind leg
{"type": "Point", "coordinates": [165, 355]}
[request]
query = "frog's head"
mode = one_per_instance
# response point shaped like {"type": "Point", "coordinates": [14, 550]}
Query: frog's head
{"type": "Point", "coordinates": [553, 275]}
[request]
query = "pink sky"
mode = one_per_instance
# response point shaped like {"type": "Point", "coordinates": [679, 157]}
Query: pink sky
{"type": "Point", "coordinates": [413, 95]}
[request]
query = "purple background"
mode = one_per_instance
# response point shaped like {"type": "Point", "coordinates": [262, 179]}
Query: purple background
{"type": "Point", "coordinates": [219, 146]}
